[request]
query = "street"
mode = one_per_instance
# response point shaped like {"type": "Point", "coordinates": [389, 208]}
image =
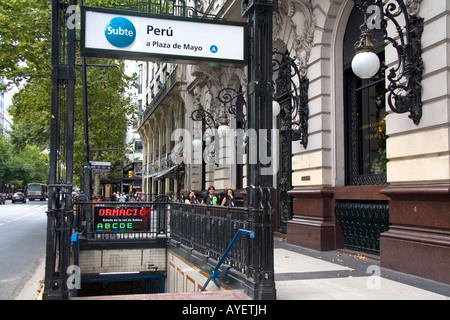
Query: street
{"type": "Point", "coordinates": [22, 243]}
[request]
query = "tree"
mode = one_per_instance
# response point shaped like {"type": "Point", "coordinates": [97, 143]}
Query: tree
{"type": "Point", "coordinates": [20, 167]}
{"type": "Point", "coordinates": [24, 39]}
{"type": "Point", "coordinates": [25, 60]}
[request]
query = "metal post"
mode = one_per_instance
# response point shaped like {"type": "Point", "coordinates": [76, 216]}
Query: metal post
{"type": "Point", "coordinates": [59, 214]}
{"type": "Point", "coordinates": [86, 173]}
{"type": "Point", "coordinates": [260, 88]}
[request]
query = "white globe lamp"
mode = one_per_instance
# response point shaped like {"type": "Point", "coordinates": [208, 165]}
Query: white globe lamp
{"type": "Point", "coordinates": [197, 143]}
{"type": "Point", "coordinates": [365, 63]}
{"type": "Point", "coordinates": [275, 108]}
{"type": "Point", "coordinates": [223, 127]}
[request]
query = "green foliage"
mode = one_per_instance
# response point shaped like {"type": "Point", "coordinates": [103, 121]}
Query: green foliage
{"type": "Point", "coordinates": [21, 167]}
{"type": "Point", "coordinates": [25, 60]}
{"type": "Point", "coordinates": [24, 39]}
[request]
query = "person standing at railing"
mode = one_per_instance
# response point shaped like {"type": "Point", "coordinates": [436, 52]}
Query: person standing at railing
{"type": "Point", "coordinates": [228, 200]}
{"type": "Point", "coordinates": [192, 199]}
{"type": "Point", "coordinates": [211, 198]}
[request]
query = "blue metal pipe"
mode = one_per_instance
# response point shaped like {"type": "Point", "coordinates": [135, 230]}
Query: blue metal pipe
{"type": "Point", "coordinates": [215, 271]}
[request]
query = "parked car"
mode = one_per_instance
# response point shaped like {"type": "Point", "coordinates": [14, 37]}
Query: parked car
{"type": "Point", "coordinates": [2, 198]}
{"type": "Point", "coordinates": [19, 196]}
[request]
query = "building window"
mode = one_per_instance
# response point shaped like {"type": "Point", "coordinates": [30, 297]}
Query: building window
{"type": "Point", "coordinates": [139, 79]}
{"type": "Point", "coordinates": [157, 145]}
{"type": "Point", "coordinates": [138, 145]}
{"type": "Point", "coordinates": [364, 115]}
{"type": "Point", "coordinates": [164, 137]}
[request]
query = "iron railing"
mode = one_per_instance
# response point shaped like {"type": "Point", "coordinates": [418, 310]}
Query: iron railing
{"type": "Point", "coordinates": [209, 229]}
{"type": "Point", "coordinates": [201, 229]}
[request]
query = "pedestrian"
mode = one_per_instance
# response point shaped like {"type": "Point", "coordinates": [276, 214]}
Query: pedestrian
{"type": "Point", "coordinates": [211, 198]}
{"type": "Point", "coordinates": [228, 200]}
{"type": "Point", "coordinates": [192, 199]}
{"type": "Point", "coordinates": [137, 197]}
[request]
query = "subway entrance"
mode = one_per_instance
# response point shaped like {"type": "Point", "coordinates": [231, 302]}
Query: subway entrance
{"type": "Point", "coordinates": [121, 284]}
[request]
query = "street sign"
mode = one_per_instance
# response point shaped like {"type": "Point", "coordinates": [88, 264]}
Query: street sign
{"type": "Point", "coordinates": [98, 166]}
{"type": "Point", "coordinates": [124, 35]}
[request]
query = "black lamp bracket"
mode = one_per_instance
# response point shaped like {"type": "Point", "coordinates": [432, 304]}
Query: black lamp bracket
{"type": "Point", "coordinates": [405, 80]}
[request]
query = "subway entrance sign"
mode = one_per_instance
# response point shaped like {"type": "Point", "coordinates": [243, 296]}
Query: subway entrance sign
{"type": "Point", "coordinates": [135, 35]}
{"type": "Point", "coordinates": [121, 219]}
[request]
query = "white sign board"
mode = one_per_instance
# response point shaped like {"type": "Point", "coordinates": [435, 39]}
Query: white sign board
{"type": "Point", "coordinates": [100, 166]}
{"type": "Point", "coordinates": [121, 34]}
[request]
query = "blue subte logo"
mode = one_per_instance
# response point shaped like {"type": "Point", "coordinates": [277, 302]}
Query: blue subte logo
{"type": "Point", "coordinates": [120, 32]}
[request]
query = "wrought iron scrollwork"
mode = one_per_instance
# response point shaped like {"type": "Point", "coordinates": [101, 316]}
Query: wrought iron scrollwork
{"type": "Point", "coordinates": [292, 87]}
{"type": "Point", "coordinates": [234, 102]}
{"type": "Point", "coordinates": [201, 114]}
{"type": "Point", "coordinates": [405, 87]}
{"type": "Point", "coordinates": [208, 130]}
{"type": "Point", "coordinates": [169, 7]}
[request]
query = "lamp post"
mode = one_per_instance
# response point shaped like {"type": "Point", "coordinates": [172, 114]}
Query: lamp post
{"type": "Point", "coordinates": [405, 87]}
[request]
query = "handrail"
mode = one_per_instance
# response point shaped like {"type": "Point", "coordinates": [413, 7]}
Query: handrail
{"type": "Point", "coordinates": [215, 271]}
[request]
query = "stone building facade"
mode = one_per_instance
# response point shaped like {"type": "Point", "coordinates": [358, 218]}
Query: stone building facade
{"type": "Point", "coordinates": [368, 179]}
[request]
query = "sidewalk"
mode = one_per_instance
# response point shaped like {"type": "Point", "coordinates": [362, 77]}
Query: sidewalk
{"type": "Point", "coordinates": [31, 289]}
{"type": "Point", "coordinates": [303, 274]}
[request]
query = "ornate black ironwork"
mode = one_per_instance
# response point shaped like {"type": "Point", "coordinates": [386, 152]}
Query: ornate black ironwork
{"type": "Point", "coordinates": [355, 174]}
{"type": "Point", "coordinates": [208, 128]}
{"type": "Point", "coordinates": [205, 116]}
{"type": "Point", "coordinates": [405, 87]}
{"type": "Point", "coordinates": [362, 222]}
{"type": "Point", "coordinates": [292, 87]}
{"type": "Point", "coordinates": [234, 102]}
{"type": "Point", "coordinates": [168, 7]}
{"type": "Point", "coordinates": [60, 211]}
{"type": "Point", "coordinates": [207, 230]}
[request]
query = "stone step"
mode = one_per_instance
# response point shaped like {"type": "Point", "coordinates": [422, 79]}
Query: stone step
{"type": "Point", "coordinates": [205, 295]}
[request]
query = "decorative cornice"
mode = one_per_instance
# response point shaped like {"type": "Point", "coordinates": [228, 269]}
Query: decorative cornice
{"type": "Point", "coordinates": [302, 23]}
